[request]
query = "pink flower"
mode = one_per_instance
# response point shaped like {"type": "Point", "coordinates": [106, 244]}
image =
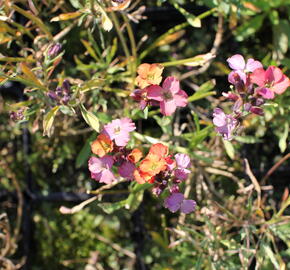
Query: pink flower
{"type": "Point", "coordinates": [169, 95]}
{"type": "Point", "coordinates": [225, 124]}
{"type": "Point", "coordinates": [126, 170]}
{"type": "Point", "coordinates": [119, 130]}
{"type": "Point", "coordinates": [270, 82]}
{"type": "Point", "coordinates": [240, 67]}
{"type": "Point", "coordinates": [100, 169]}
{"type": "Point", "coordinates": [176, 201]}
{"type": "Point", "coordinates": [182, 162]}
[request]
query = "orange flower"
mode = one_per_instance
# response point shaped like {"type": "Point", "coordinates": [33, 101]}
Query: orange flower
{"type": "Point", "coordinates": [152, 164]}
{"type": "Point", "coordinates": [135, 155]}
{"type": "Point", "coordinates": [102, 145]}
{"type": "Point", "coordinates": [149, 74]}
{"type": "Point", "coordinates": [142, 177]}
{"type": "Point", "coordinates": [159, 149]}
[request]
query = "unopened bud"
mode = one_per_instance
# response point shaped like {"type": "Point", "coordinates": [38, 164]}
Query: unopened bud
{"type": "Point", "coordinates": [54, 50]}
{"type": "Point", "coordinates": [257, 110]}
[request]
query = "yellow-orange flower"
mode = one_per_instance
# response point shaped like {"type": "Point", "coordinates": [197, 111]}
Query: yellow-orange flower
{"type": "Point", "coordinates": [135, 155]}
{"type": "Point", "coordinates": [102, 145]}
{"type": "Point", "coordinates": [159, 149]}
{"type": "Point", "coordinates": [149, 74]}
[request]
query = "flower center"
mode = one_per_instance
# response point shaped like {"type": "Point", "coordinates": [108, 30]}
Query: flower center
{"type": "Point", "coordinates": [167, 95]}
{"type": "Point", "coordinates": [117, 130]}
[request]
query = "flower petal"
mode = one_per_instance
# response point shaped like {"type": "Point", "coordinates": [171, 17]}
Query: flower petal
{"type": "Point", "coordinates": [236, 62]}
{"type": "Point", "coordinates": [174, 201]}
{"type": "Point", "coordinates": [171, 84]}
{"type": "Point", "coordinates": [168, 107]}
{"type": "Point", "coordinates": [265, 92]}
{"type": "Point", "coordinates": [187, 206]}
{"type": "Point", "coordinates": [181, 98]}
{"type": "Point", "coordinates": [154, 92]}
{"type": "Point", "coordinates": [253, 64]}
{"type": "Point", "coordinates": [258, 77]}
{"type": "Point", "coordinates": [281, 86]}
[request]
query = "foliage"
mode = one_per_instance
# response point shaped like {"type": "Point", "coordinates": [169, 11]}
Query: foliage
{"type": "Point", "coordinates": [78, 62]}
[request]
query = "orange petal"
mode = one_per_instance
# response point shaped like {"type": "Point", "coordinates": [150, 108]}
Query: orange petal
{"type": "Point", "coordinates": [159, 149]}
{"type": "Point", "coordinates": [102, 145]}
{"type": "Point", "coordinates": [135, 155]}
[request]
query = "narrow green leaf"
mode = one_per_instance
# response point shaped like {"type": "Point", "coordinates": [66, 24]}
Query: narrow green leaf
{"type": "Point", "coordinates": [90, 118]}
{"type": "Point", "coordinates": [229, 149]}
{"type": "Point", "coordinates": [48, 121]}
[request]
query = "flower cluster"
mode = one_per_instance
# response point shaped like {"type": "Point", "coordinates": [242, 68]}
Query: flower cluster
{"type": "Point", "coordinates": [157, 167]}
{"type": "Point", "coordinates": [252, 86]}
{"type": "Point", "coordinates": [169, 96]}
{"type": "Point", "coordinates": [61, 94]}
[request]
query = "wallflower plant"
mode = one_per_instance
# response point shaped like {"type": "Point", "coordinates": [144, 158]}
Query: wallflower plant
{"type": "Point", "coordinates": [252, 86]}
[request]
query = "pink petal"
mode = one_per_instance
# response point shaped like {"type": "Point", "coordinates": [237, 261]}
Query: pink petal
{"type": "Point", "coordinates": [154, 92]}
{"type": "Point", "coordinates": [258, 77]}
{"type": "Point", "coordinates": [281, 86]}
{"type": "Point", "coordinates": [253, 65]}
{"type": "Point", "coordinates": [127, 124]}
{"type": "Point", "coordinates": [107, 177]}
{"type": "Point", "coordinates": [171, 84]}
{"type": "Point", "coordinates": [265, 93]}
{"type": "Point", "coordinates": [187, 206]}
{"type": "Point", "coordinates": [236, 76]}
{"type": "Point", "coordinates": [168, 107]}
{"type": "Point", "coordinates": [273, 74]}
{"type": "Point", "coordinates": [95, 165]}
{"type": "Point", "coordinates": [122, 139]}
{"type": "Point", "coordinates": [219, 117]}
{"type": "Point", "coordinates": [181, 99]}
{"type": "Point", "coordinates": [182, 160]}
{"type": "Point", "coordinates": [237, 62]}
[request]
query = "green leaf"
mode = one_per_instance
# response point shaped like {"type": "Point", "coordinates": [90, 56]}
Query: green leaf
{"type": "Point", "coordinates": [110, 207]}
{"type": "Point", "coordinates": [249, 27]}
{"type": "Point", "coordinates": [199, 95]}
{"type": "Point", "coordinates": [48, 121]}
{"type": "Point", "coordinates": [270, 254]}
{"type": "Point", "coordinates": [90, 118]}
{"type": "Point", "coordinates": [229, 149]}
{"type": "Point", "coordinates": [85, 152]}
{"type": "Point", "coordinates": [283, 138]}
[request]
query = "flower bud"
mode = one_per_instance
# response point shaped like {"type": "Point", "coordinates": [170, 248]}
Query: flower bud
{"type": "Point", "coordinates": [54, 50]}
{"type": "Point", "coordinates": [257, 110]}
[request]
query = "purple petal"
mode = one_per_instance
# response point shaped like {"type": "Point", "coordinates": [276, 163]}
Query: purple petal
{"type": "Point", "coordinates": [187, 206]}
{"type": "Point", "coordinates": [108, 161]}
{"type": "Point", "coordinates": [126, 170]}
{"type": "Point", "coordinates": [236, 62]}
{"type": "Point", "coordinates": [237, 76]}
{"type": "Point", "coordinates": [174, 201]}
{"type": "Point", "coordinates": [107, 177]}
{"type": "Point", "coordinates": [252, 65]}
{"type": "Point", "coordinates": [181, 174]}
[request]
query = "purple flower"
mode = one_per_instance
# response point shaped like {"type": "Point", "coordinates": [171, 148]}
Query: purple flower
{"type": "Point", "coordinates": [100, 169]}
{"type": "Point", "coordinates": [119, 130]}
{"type": "Point", "coordinates": [126, 170]}
{"type": "Point", "coordinates": [177, 202]}
{"type": "Point", "coordinates": [182, 163]}
{"type": "Point", "coordinates": [169, 95]}
{"type": "Point", "coordinates": [240, 68]}
{"type": "Point", "coordinates": [225, 124]}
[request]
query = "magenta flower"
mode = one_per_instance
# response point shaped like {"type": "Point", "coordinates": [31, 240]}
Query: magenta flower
{"type": "Point", "coordinates": [225, 124]}
{"type": "Point", "coordinates": [126, 170]}
{"type": "Point", "coordinates": [100, 169]}
{"type": "Point", "coordinates": [240, 67]}
{"type": "Point", "coordinates": [169, 95]}
{"type": "Point", "coordinates": [270, 82]}
{"type": "Point", "coordinates": [119, 130]}
{"type": "Point", "coordinates": [176, 201]}
{"type": "Point", "coordinates": [182, 162]}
